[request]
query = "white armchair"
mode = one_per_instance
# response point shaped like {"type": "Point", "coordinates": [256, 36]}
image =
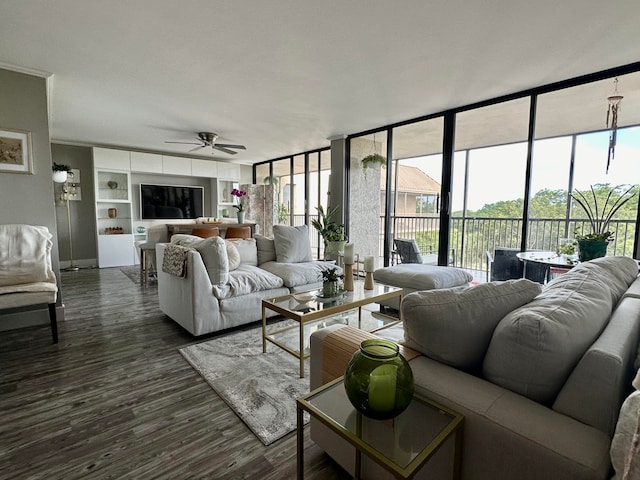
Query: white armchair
{"type": "Point", "coordinates": [27, 281]}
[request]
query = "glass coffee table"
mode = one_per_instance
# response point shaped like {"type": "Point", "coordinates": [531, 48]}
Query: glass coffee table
{"type": "Point", "coordinates": [345, 308]}
{"type": "Point", "coordinates": [401, 445]}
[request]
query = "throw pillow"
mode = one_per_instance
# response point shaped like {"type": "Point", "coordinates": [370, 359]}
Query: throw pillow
{"type": "Point", "coordinates": [185, 240]}
{"type": "Point", "coordinates": [292, 244]}
{"type": "Point", "coordinates": [247, 250]}
{"type": "Point", "coordinates": [266, 249]}
{"type": "Point", "coordinates": [534, 349]}
{"type": "Point", "coordinates": [213, 251]}
{"type": "Point", "coordinates": [454, 325]}
{"type": "Point", "coordinates": [233, 255]}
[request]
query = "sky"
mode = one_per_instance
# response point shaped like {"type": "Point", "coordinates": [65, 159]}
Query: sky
{"type": "Point", "coordinates": [497, 173]}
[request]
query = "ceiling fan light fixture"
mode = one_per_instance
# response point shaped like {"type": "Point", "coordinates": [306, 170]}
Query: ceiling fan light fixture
{"type": "Point", "coordinates": [208, 139]}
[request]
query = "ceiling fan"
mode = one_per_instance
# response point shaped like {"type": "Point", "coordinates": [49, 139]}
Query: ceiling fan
{"type": "Point", "coordinates": [208, 139]}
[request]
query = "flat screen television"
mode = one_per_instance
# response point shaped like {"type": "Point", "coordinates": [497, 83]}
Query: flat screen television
{"type": "Point", "coordinates": [170, 201]}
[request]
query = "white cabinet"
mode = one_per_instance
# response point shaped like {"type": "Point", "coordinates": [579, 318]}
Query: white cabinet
{"type": "Point", "coordinates": [226, 201]}
{"type": "Point", "coordinates": [229, 170]}
{"type": "Point", "coordinates": [110, 158]}
{"type": "Point", "coordinates": [113, 217]}
{"type": "Point", "coordinates": [146, 162]}
{"type": "Point", "coordinates": [176, 165]}
{"type": "Point", "coordinates": [204, 168]}
{"type": "Point", "coordinates": [115, 250]}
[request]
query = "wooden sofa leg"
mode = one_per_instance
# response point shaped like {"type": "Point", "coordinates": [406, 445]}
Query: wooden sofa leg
{"type": "Point", "coordinates": [54, 322]}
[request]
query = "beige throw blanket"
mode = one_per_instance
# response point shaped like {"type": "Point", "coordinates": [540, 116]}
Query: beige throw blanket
{"type": "Point", "coordinates": [174, 261]}
{"type": "Point", "coordinates": [25, 257]}
{"type": "Point", "coordinates": [625, 447]}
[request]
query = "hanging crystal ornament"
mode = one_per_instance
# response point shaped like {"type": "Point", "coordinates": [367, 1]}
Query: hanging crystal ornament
{"type": "Point", "coordinates": [612, 114]}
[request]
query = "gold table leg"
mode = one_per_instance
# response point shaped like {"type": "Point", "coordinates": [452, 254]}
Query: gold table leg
{"type": "Point", "coordinates": [264, 329]}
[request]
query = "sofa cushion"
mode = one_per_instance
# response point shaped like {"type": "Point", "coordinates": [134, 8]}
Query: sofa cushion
{"type": "Point", "coordinates": [297, 274]}
{"type": "Point", "coordinates": [266, 248]}
{"type": "Point", "coordinates": [620, 273]}
{"type": "Point", "coordinates": [292, 244]}
{"type": "Point", "coordinates": [422, 277]}
{"type": "Point", "coordinates": [246, 279]}
{"type": "Point", "coordinates": [233, 254]}
{"type": "Point", "coordinates": [213, 251]}
{"type": "Point", "coordinates": [534, 348]}
{"type": "Point", "coordinates": [454, 325]}
{"type": "Point", "coordinates": [247, 250]}
{"type": "Point", "coordinates": [185, 239]}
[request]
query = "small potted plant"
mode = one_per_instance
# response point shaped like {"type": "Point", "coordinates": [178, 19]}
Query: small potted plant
{"type": "Point", "coordinates": [331, 282]}
{"type": "Point", "coordinates": [61, 172]}
{"type": "Point", "coordinates": [594, 244]}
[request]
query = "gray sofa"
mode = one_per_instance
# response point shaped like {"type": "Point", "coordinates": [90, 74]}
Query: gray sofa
{"type": "Point", "coordinates": [539, 377]}
{"type": "Point", "coordinates": [219, 288]}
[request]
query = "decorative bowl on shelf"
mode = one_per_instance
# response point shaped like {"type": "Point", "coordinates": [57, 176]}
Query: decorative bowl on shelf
{"type": "Point", "coordinates": [303, 297]}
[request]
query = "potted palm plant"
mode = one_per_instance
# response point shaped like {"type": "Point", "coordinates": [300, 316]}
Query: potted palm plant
{"type": "Point", "coordinates": [594, 244]}
{"type": "Point", "coordinates": [331, 232]}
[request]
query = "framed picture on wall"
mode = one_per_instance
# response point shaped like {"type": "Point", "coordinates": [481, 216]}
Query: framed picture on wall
{"type": "Point", "coordinates": [15, 151]}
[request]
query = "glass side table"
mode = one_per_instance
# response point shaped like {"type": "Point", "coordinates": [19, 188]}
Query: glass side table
{"type": "Point", "coordinates": [401, 445]}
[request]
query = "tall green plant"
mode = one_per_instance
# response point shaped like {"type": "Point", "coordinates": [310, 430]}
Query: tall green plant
{"type": "Point", "coordinates": [600, 215]}
{"type": "Point", "coordinates": [329, 230]}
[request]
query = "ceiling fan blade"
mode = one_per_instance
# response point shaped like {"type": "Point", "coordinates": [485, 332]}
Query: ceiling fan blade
{"type": "Point", "coordinates": [228, 145]}
{"type": "Point", "coordinates": [225, 150]}
{"type": "Point", "coordinates": [185, 143]}
{"type": "Point", "coordinates": [197, 148]}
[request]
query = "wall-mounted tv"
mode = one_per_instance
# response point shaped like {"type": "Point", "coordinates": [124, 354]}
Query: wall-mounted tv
{"type": "Point", "coordinates": [170, 201]}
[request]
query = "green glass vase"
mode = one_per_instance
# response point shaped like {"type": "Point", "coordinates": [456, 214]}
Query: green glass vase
{"type": "Point", "coordinates": [378, 380]}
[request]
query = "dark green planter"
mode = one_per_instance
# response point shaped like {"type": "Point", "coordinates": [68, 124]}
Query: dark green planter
{"type": "Point", "coordinates": [378, 380]}
{"type": "Point", "coordinates": [590, 249]}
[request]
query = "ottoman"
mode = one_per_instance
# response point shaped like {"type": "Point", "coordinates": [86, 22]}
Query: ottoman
{"type": "Point", "coordinates": [412, 277]}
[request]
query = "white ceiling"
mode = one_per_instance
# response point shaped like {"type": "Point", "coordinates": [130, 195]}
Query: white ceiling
{"type": "Point", "coordinates": [281, 76]}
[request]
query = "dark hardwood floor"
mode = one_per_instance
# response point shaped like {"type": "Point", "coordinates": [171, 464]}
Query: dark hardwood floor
{"type": "Point", "coordinates": [115, 399]}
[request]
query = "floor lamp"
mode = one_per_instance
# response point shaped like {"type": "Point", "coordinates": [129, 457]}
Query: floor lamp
{"type": "Point", "coordinates": [68, 192]}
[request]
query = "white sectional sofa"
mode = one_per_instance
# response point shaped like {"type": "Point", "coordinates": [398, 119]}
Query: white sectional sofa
{"type": "Point", "coordinates": [223, 282]}
{"type": "Point", "coordinates": [539, 377]}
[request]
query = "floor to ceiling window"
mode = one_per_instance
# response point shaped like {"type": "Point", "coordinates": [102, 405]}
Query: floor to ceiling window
{"type": "Point", "coordinates": [295, 189]}
{"type": "Point", "coordinates": [416, 173]}
{"type": "Point", "coordinates": [488, 180]}
{"type": "Point", "coordinates": [571, 152]}
{"type": "Point", "coordinates": [489, 177]}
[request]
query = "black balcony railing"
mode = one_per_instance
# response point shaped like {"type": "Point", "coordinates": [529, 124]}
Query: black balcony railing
{"type": "Point", "coordinates": [471, 238]}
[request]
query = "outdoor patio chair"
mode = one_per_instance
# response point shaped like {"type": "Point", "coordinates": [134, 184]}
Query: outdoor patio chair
{"type": "Point", "coordinates": [408, 250]}
{"type": "Point", "coordinates": [504, 264]}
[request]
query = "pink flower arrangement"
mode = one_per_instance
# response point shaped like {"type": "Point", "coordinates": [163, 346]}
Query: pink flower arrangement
{"type": "Point", "coordinates": [240, 194]}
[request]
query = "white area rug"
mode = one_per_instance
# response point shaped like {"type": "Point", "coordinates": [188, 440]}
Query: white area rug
{"type": "Point", "coordinates": [260, 387]}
